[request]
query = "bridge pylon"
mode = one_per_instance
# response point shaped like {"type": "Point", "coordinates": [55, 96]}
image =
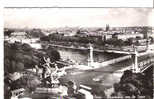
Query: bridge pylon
{"type": "Point", "coordinates": [135, 67]}
{"type": "Point", "coordinates": [91, 59]}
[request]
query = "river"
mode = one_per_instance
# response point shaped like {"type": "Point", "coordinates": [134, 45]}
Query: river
{"type": "Point", "coordinates": [81, 56]}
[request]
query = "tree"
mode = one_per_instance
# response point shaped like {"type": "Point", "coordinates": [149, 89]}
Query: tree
{"type": "Point", "coordinates": [19, 66]}
{"type": "Point", "coordinates": [99, 29]}
{"type": "Point", "coordinates": [151, 39]}
{"type": "Point", "coordinates": [119, 42]}
{"type": "Point", "coordinates": [7, 65]}
{"type": "Point", "coordinates": [130, 41]}
{"type": "Point", "coordinates": [26, 47]}
{"type": "Point", "coordinates": [32, 83]}
{"type": "Point", "coordinates": [78, 32]}
{"type": "Point", "coordinates": [98, 91]}
{"type": "Point", "coordinates": [36, 33]}
{"type": "Point", "coordinates": [145, 31]}
{"type": "Point", "coordinates": [45, 38]}
{"type": "Point", "coordinates": [18, 57]}
{"type": "Point", "coordinates": [135, 84]}
{"type": "Point", "coordinates": [138, 38]}
{"type": "Point", "coordinates": [8, 32]}
{"type": "Point", "coordinates": [53, 54]}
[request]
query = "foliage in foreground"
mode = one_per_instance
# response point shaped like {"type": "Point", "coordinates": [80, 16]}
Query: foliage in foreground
{"type": "Point", "coordinates": [18, 57]}
{"type": "Point", "coordinates": [135, 84]}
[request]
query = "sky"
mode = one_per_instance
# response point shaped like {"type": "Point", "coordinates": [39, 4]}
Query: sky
{"type": "Point", "coordinates": [76, 17]}
{"type": "Point", "coordinates": [79, 3]}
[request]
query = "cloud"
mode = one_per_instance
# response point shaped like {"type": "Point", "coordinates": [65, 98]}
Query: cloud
{"type": "Point", "coordinates": [84, 17]}
{"type": "Point", "coordinates": [151, 18]}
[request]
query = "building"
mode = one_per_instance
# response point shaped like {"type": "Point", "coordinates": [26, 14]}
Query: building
{"type": "Point", "coordinates": [19, 35]}
{"type": "Point", "coordinates": [127, 36]}
{"type": "Point", "coordinates": [106, 37]}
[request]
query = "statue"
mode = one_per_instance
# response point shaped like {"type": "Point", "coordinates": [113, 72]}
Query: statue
{"type": "Point", "coordinates": [46, 67]}
{"type": "Point", "coordinates": [51, 75]}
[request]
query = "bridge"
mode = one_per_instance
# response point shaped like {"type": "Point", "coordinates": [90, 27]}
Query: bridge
{"type": "Point", "coordinates": [105, 49]}
{"type": "Point", "coordinates": [146, 63]}
{"type": "Point", "coordinates": [134, 54]}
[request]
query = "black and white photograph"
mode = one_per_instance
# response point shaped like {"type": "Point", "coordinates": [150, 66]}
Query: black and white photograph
{"type": "Point", "coordinates": [78, 53]}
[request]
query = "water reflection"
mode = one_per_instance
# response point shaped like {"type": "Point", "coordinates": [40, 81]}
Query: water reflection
{"type": "Point", "coordinates": [81, 57]}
